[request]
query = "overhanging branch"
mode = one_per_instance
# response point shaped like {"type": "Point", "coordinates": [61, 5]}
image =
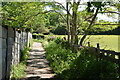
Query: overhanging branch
{"type": "Point", "coordinates": [106, 24]}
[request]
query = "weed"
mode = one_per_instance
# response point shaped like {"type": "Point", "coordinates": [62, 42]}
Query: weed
{"type": "Point", "coordinates": [18, 71]}
{"type": "Point", "coordinates": [24, 54]}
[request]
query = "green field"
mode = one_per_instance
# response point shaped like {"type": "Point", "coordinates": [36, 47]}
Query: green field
{"type": "Point", "coordinates": [107, 42]}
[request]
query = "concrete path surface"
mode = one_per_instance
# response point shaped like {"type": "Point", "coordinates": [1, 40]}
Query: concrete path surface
{"type": "Point", "coordinates": [38, 67]}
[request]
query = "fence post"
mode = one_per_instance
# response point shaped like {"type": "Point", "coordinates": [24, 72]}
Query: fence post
{"type": "Point", "coordinates": [99, 56]}
{"type": "Point", "coordinates": [98, 52]}
{"type": "Point", "coordinates": [98, 48]}
{"type": "Point", "coordinates": [88, 44]}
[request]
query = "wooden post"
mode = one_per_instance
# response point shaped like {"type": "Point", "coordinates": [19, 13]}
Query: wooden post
{"type": "Point", "coordinates": [98, 48]}
{"type": "Point", "coordinates": [99, 56]}
{"type": "Point", "coordinates": [98, 51]}
{"type": "Point", "coordinates": [88, 44]}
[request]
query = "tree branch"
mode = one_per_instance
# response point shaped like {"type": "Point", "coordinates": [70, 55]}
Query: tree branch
{"type": "Point", "coordinates": [63, 8]}
{"type": "Point", "coordinates": [42, 13]}
{"type": "Point", "coordinates": [86, 31]}
{"type": "Point", "coordinates": [106, 24]}
{"type": "Point", "coordinates": [111, 12]}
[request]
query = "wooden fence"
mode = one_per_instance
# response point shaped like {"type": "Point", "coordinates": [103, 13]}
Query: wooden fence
{"type": "Point", "coordinates": [108, 55]}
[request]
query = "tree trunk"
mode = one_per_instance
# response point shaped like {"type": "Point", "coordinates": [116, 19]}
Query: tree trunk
{"type": "Point", "coordinates": [74, 38]}
{"type": "Point", "coordinates": [87, 31]}
{"type": "Point", "coordinates": [68, 27]}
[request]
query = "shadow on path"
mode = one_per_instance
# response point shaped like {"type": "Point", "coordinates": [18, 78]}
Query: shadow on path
{"type": "Point", "coordinates": [38, 78]}
{"type": "Point", "coordinates": [38, 67]}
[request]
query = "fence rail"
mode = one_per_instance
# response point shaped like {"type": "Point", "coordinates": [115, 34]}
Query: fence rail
{"type": "Point", "coordinates": [106, 54]}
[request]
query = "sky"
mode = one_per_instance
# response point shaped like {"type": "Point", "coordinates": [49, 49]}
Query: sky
{"type": "Point", "coordinates": [100, 16]}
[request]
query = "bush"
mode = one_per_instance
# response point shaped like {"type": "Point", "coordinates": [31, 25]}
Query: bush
{"type": "Point", "coordinates": [87, 67]}
{"type": "Point", "coordinates": [56, 56]}
{"type": "Point", "coordinates": [75, 66]}
{"type": "Point", "coordinates": [18, 71]}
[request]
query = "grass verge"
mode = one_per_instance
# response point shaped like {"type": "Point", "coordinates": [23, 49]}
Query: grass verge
{"type": "Point", "coordinates": [18, 69]}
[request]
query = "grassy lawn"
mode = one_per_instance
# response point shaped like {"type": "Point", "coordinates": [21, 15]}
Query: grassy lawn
{"type": "Point", "coordinates": [108, 42]}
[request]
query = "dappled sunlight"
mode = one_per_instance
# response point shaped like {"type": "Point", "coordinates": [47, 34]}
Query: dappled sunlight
{"type": "Point", "coordinates": [37, 65]}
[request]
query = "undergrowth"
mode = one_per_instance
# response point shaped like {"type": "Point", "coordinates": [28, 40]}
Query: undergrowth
{"type": "Point", "coordinates": [18, 69]}
{"type": "Point", "coordinates": [78, 66]}
{"type": "Point", "coordinates": [24, 54]}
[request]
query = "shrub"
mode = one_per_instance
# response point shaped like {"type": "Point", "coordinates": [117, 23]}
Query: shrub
{"type": "Point", "coordinates": [56, 56]}
{"type": "Point", "coordinates": [82, 65]}
{"type": "Point", "coordinates": [58, 40]}
{"type": "Point", "coordinates": [87, 67]}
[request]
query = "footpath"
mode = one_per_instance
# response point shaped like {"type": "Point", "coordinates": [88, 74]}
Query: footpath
{"type": "Point", "coordinates": [38, 67]}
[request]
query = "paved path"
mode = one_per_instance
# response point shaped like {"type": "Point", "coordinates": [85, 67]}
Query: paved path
{"type": "Point", "coordinates": [38, 67]}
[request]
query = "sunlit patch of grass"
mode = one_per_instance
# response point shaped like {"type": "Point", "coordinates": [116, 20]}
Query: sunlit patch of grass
{"type": "Point", "coordinates": [107, 42]}
{"type": "Point", "coordinates": [18, 71]}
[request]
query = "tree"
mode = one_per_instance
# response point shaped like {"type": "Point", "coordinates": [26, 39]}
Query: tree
{"type": "Point", "coordinates": [24, 15]}
{"type": "Point", "coordinates": [33, 15]}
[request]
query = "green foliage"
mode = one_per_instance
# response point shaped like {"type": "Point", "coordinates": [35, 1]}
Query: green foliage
{"type": "Point", "coordinates": [82, 65]}
{"type": "Point", "coordinates": [24, 55]}
{"type": "Point", "coordinates": [25, 15]}
{"type": "Point", "coordinates": [58, 40]}
{"type": "Point", "coordinates": [55, 54]}
{"type": "Point", "coordinates": [54, 19]}
{"type": "Point", "coordinates": [18, 71]}
{"type": "Point", "coordinates": [87, 65]}
{"type": "Point", "coordinates": [64, 43]}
